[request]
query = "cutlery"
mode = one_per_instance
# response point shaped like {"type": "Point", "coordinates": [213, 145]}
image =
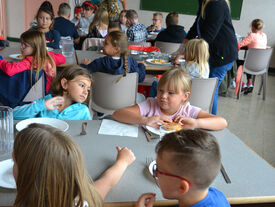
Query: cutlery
{"type": "Point", "coordinates": [147, 135]}
{"type": "Point", "coordinates": [83, 128]}
{"type": "Point", "coordinates": [225, 175]}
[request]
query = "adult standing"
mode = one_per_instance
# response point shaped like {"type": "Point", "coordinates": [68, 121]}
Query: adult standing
{"type": "Point", "coordinates": [214, 25]}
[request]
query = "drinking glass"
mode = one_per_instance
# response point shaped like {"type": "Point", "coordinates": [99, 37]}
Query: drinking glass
{"type": "Point", "coordinates": [67, 47]}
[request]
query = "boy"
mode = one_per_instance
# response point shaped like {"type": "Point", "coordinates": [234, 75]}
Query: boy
{"type": "Point", "coordinates": [187, 163]}
{"type": "Point", "coordinates": [63, 24]}
{"type": "Point", "coordinates": [156, 26]}
{"type": "Point", "coordinates": [173, 33]}
{"type": "Point", "coordinates": [136, 32]}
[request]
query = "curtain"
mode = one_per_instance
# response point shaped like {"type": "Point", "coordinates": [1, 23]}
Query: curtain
{"type": "Point", "coordinates": [3, 29]}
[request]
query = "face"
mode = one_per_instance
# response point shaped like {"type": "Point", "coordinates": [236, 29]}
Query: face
{"type": "Point", "coordinates": [108, 48]}
{"type": "Point", "coordinates": [15, 168]}
{"type": "Point", "coordinates": [77, 89]}
{"type": "Point", "coordinates": [88, 13]}
{"type": "Point", "coordinates": [26, 49]}
{"type": "Point", "coordinates": [44, 20]}
{"type": "Point", "coordinates": [122, 18]}
{"type": "Point", "coordinates": [170, 101]}
{"type": "Point", "coordinates": [156, 21]}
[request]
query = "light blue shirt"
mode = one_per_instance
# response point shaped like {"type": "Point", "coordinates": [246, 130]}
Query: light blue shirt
{"type": "Point", "coordinates": [76, 111]}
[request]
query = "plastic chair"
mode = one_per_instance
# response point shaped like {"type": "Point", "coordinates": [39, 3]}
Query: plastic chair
{"type": "Point", "coordinates": [146, 44]}
{"type": "Point", "coordinates": [257, 63]}
{"type": "Point", "coordinates": [167, 47]}
{"type": "Point", "coordinates": [92, 42]}
{"type": "Point", "coordinates": [109, 95]}
{"type": "Point", "coordinates": [202, 93]}
{"type": "Point", "coordinates": [37, 90]}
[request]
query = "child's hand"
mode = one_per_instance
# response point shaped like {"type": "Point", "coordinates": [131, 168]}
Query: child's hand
{"type": "Point", "coordinates": [146, 200]}
{"type": "Point", "coordinates": [188, 122]}
{"type": "Point", "coordinates": [125, 156]}
{"type": "Point", "coordinates": [176, 62]}
{"type": "Point", "coordinates": [156, 121]}
{"type": "Point", "coordinates": [78, 16]}
{"type": "Point", "coordinates": [54, 103]}
{"type": "Point", "coordinates": [86, 61]}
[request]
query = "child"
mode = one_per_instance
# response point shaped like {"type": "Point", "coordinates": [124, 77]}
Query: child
{"type": "Point", "coordinates": [116, 60]}
{"type": "Point", "coordinates": [36, 56]}
{"type": "Point", "coordinates": [170, 105]}
{"type": "Point", "coordinates": [99, 26]}
{"type": "Point", "coordinates": [255, 39]}
{"type": "Point", "coordinates": [63, 24]}
{"type": "Point", "coordinates": [114, 26]}
{"type": "Point", "coordinates": [187, 163]}
{"type": "Point", "coordinates": [123, 20]}
{"type": "Point", "coordinates": [83, 23]}
{"type": "Point", "coordinates": [69, 90]}
{"type": "Point", "coordinates": [49, 170]}
{"type": "Point", "coordinates": [136, 32]}
{"type": "Point", "coordinates": [45, 19]}
{"type": "Point", "coordinates": [156, 26]}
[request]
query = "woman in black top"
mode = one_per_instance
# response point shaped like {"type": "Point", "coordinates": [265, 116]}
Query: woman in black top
{"type": "Point", "coordinates": [214, 25]}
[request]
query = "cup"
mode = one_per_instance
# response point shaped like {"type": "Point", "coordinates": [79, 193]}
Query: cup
{"type": "Point", "coordinates": [6, 131]}
{"type": "Point", "coordinates": [67, 47]}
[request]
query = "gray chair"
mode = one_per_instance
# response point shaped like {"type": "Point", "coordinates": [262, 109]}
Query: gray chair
{"type": "Point", "coordinates": [93, 43]}
{"type": "Point", "coordinates": [257, 63]}
{"type": "Point", "coordinates": [109, 94]}
{"type": "Point", "coordinates": [167, 47]}
{"type": "Point", "coordinates": [37, 90]}
{"type": "Point", "coordinates": [202, 93]}
{"type": "Point", "coordinates": [146, 44]}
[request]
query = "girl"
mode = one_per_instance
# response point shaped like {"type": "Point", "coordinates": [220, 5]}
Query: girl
{"type": "Point", "coordinates": [45, 18]}
{"type": "Point", "coordinates": [116, 61]}
{"type": "Point", "coordinates": [123, 20]}
{"type": "Point", "coordinates": [49, 170]}
{"type": "Point", "coordinates": [70, 89]}
{"type": "Point", "coordinates": [255, 39]}
{"type": "Point", "coordinates": [36, 56]}
{"type": "Point", "coordinates": [170, 105]}
{"type": "Point", "coordinates": [99, 26]}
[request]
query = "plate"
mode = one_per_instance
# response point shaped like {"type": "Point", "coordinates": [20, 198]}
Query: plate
{"type": "Point", "coordinates": [181, 60]}
{"type": "Point", "coordinates": [150, 167]}
{"type": "Point", "coordinates": [16, 56]}
{"type": "Point", "coordinates": [62, 125]}
{"type": "Point", "coordinates": [49, 49]}
{"type": "Point", "coordinates": [158, 62]}
{"type": "Point", "coordinates": [153, 130]}
{"type": "Point", "coordinates": [6, 175]}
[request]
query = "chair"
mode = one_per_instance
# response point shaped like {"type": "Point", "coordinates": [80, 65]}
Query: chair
{"type": "Point", "coordinates": [92, 42]}
{"type": "Point", "coordinates": [37, 90]}
{"type": "Point", "coordinates": [146, 44]}
{"type": "Point", "coordinates": [202, 93]}
{"type": "Point", "coordinates": [109, 95]}
{"type": "Point", "coordinates": [167, 47]}
{"type": "Point", "coordinates": [257, 63]}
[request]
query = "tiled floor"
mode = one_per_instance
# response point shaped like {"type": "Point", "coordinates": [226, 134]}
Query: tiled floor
{"type": "Point", "coordinates": [252, 119]}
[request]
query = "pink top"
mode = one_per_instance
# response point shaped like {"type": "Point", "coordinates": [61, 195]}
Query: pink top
{"type": "Point", "coordinates": [150, 108]}
{"type": "Point", "coordinates": [254, 40]}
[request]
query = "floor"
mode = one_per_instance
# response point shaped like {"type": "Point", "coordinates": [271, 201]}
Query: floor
{"type": "Point", "coordinates": [252, 119]}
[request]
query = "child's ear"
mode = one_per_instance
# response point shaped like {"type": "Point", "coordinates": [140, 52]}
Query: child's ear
{"type": "Point", "coordinates": [184, 187]}
{"type": "Point", "coordinates": [117, 50]}
{"type": "Point", "coordinates": [64, 83]}
{"type": "Point", "coordinates": [186, 96]}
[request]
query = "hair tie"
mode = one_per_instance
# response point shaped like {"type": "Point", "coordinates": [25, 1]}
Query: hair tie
{"type": "Point", "coordinates": [89, 4]}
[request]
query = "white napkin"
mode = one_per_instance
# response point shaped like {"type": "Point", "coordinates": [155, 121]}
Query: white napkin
{"type": "Point", "coordinates": [110, 127]}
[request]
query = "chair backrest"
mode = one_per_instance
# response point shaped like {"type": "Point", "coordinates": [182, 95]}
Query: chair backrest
{"type": "Point", "coordinates": [257, 60]}
{"type": "Point", "coordinates": [109, 95]}
{"type": "Point", "coordinates": [146, 44]}
{"type": "Point", "coordinates": [202, 93]}
{"type": "Point", "coordinates": [167, 47]}
{"type": "Point", "coordinates": [37, 90]}
{"type": "Point", "coordinates": [90, 42]}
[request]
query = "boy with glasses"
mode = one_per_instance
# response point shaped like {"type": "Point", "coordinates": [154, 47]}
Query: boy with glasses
{"type": "Point", "coordinates": [156, 27]}
{"type": "Point", "coordinates": [187, 163]}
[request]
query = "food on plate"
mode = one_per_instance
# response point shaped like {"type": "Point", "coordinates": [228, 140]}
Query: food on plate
{"type": "Point", "coordinates": [20, 56]}
{"type": "Point", "coordinates": [173, 126]}
{"type": "Point", "coordinates": [159, 61]}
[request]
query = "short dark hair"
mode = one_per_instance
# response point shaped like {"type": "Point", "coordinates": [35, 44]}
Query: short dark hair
{"type": "Point", "coordinates": [64, 9]}
{"type": "Point", "coordinates": [131, 14]}
{"type": "Point", "coordinates": [172, 19]}
{"type": "Point", "coordinates": [195, 155]}
{"type": "Point", "coordinates": [257, 24]}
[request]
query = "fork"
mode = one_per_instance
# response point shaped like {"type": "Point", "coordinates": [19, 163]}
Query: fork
{"type": "Point", "coordinates": [83, 128]}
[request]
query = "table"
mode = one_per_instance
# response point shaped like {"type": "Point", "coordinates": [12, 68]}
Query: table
{"type": "Point", "coordinates": [253, 179]}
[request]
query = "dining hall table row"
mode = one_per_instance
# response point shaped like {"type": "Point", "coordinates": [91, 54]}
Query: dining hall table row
{"type": "Point", "coordinates": [252, 178]}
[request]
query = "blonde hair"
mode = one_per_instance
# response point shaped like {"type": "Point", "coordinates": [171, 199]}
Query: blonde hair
{"type": "Point", "coordinates": [257, 24]}
{"type": "Point", "coordinates": [197, 50]}
{"type": "Point", "coordinates": [204, 4]}
{"type": "Point", "coordinates": [101, 17]}
{"type": "Point", "coordinates": [51, 171]}
{"type": "Point", "coordinates": [177, 79]}
{"type": "Point", "coordinates": [119, 39]}
{"type": "Point", "coordinates": [41, 57]}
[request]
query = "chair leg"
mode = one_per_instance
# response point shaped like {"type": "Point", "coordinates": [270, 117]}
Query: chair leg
{"type": "Point", "coordinates": [239, 92]}
{"type": "Point", "coordinates": [261, 84]}
{"type": "Point", "coordinates": [253, 79]}
{"type": "Point", "coordinates": [264, 85]}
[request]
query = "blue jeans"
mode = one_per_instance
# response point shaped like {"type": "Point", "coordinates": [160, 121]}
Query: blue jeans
{"type": "Point", "coordinates": [218, 72]}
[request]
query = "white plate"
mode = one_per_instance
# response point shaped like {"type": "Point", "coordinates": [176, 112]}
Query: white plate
{"type": "Point", "coordinates": [160, 63]}
{"type": "Point", "coordinates": [16, 56]}
{"type": "Point", "coordinates": [181, 60]}
{"type": "Point", "coordinates": [150, 167]}
{"type": "Point", "coordinates": [62, 125]}
{"type": "Point", "coordinates": [153, 130]}
{"type": "Point", "coordinates": [6, 175]}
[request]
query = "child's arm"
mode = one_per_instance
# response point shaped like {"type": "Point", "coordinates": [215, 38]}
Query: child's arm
{"type": "Point", "coordinates": [146, 200]}
{"type": "Point", "coordinates": [110, 178]}
{"type": "Point", "coordinates": [137, 67]}
{"type": "Point", "coordinates": [124, 4]}
{"type": "Point", "coordinates": [94, 66]}
{"type": "Point", "coordinates": [55, 37]}
{"type": "Point", "coordinates": [204, 120]}
{"type": "Point", "coordinates": [246, 41]}
{"type": "Point", "coordinates": [57, 58]}
{"type": "Point", "coordinates": [16, 67]}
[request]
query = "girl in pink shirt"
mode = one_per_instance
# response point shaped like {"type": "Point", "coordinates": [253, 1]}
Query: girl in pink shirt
{"type": "Point", "coordinates": [255, 39]}
{"type": "Point", "coordinates": [171, 105]}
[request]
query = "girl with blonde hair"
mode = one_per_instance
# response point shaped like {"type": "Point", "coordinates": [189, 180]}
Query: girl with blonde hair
{"type": "Point", "coordinates": [35, 56]}
{"type": "Point", "coordinates": [116, 60]}
{"type": "Point", "coordinates": [171, 105]}
{"type": "Point", "coordinates": [99, 26]}
{"type": "Point", "coordinates": [49, 170]}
